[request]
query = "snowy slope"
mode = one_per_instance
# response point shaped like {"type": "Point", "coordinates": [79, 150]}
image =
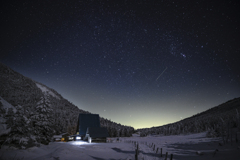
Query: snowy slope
{"type": "Point", "coordinates": [45, 90]}
{"type": "Point", "coordinates": [3, 126]}
{"type": "Point", "coordinates": [7, 105]}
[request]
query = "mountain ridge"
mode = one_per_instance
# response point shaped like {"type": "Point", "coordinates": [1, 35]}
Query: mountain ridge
{"type": "Point", "coordinates": [38, 112]}
{"type": "Point", "coordinates": [215, 121]}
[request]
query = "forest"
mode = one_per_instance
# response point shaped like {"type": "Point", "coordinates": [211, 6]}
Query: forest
{"type": "Point", "coordinates": [220, 121]}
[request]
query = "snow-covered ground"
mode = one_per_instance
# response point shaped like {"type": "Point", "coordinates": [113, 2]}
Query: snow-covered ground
{"type": "Point", "coordinates": [194, 146]}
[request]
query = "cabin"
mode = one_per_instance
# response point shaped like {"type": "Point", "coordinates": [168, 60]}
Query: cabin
{"type": "Point", "coordinates": [64, 137]}
{"type": "Point", "coordinates": [88, 128]}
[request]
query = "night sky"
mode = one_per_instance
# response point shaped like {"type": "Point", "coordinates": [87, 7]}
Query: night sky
{"type": "Point", "coordinates": [138, 63]}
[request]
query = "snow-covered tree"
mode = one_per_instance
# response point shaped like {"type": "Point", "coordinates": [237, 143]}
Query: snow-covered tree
{"type": "Point", "coordinates": [42, 121]}
{"type": "Point", "coordinates": [20, 129]}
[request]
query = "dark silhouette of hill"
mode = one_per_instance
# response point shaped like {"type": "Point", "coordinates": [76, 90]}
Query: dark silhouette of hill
{"type": "Point", "coordinates": [217, 121]}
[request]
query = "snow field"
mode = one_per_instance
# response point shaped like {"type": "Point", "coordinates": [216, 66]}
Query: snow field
{"type": "Point", "coordinates": [187, 147]}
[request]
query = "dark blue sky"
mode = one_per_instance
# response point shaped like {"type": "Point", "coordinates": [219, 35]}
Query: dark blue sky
{"type": "Point", "coordinates": [139, 63]}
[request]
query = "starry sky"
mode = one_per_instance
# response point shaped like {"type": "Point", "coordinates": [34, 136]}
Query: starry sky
{"type": "Point", "coordinates": [140, 63]}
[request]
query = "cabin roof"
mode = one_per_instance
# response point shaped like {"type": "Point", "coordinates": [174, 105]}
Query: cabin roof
{"type": "Point", "coordinates": [86, 121]}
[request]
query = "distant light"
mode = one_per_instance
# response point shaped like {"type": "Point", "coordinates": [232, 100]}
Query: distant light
{"type": "Point", "coordinates": [77, 143]}
{"type": "Point", "coordinates": [78, 138]}
{"type": "Point", "coordinates": [80, 143]}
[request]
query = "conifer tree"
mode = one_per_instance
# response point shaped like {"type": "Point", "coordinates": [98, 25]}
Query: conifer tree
{"type": "Point", "coordinates": [43, 121]}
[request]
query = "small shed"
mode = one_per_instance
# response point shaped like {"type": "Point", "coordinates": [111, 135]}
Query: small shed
{"type": "Point", "coordinates": [62, 137]}
{"type": "Point", "coordinates": [88, 128]}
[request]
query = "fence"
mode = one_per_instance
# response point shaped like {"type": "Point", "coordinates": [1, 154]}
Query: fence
{"type": "Point", "coordinates": [156, 151]}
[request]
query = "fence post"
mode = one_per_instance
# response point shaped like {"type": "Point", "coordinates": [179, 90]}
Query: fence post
{"type": "Point", "coordinates": [136, 151]}
{"type": "Point", "coordinates": [137, 148]}
{"type": "Point", "coordinates": [161, 152]}
{"type": "Point", "coordinates": [171, 157]}
{"type": "Point", "coordinates": [157, 151]}
{"type": "Point", "coordinates": [166, 155]}
{"type": "Point", "coordinates": [136, 155]}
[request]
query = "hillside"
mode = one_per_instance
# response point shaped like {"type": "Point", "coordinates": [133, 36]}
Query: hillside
{"type": "Point", "coordinates": [217, 121]}
{"type": "Point", "coordinates": [30, 112]}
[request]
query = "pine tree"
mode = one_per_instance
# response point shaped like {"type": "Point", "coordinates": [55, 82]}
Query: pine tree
{"type": "Point", "coordinates": [43, 121]}
{"type": "Point", "coordinates": [20, 130]}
